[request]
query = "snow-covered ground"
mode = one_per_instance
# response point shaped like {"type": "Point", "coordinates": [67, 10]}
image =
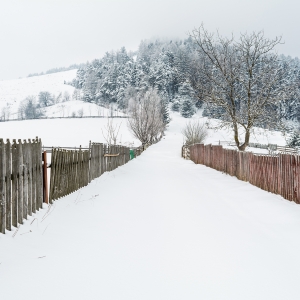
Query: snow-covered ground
{"type": "Point", "coordinates": [12, 92]}
{"type": "Point", "coordinates": [159, 227]}
{"type": "Point", "coordinates": [76, 108]}
{"type": "Point", "coordinates": [222, 135]}
{"type": "Point", "coordinates": [65, 132]}
{"type": "Point", "coordinates": [73, 132]}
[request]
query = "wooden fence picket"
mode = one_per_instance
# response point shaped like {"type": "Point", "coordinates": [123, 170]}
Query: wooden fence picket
{"type": "Point", "coordinates": [2, 187]}
{"type": "Point", "coordinates": [16, 182]}
{"type": "Point", "coordinates": [8, 173]}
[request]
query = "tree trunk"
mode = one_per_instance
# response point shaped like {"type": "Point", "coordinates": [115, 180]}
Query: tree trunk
{"type": "Point", "coordinates": [246, 142]}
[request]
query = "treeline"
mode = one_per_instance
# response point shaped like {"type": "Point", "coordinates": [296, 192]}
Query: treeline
{"type": "Point", "coordinates": [162, 65]}
{"type": "Point", "coordinates": [57, 70]}
{"type": "Point", "coordinates": [33, 107]}
{"type": "Point", "coordinates": [171, 67]}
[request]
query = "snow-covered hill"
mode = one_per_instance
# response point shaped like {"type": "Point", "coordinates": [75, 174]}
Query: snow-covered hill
{"type": "Point", "coordinates": [12, 92]}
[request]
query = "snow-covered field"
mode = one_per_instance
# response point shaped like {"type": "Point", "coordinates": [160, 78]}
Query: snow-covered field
{"type": "Point", "coordinates": [159, 227]}
{"type": "Point", "coordinates": [71, 132]}
{"type": "Point", "coordinates": [76, 108]}
{"type": "Point", "coordinates": [222, 136]}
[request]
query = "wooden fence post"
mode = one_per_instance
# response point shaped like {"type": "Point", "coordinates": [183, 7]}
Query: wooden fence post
{"type": "Point", "coordinates": [25, 179]}
{"type": "Point", "coordinates": [20, 181]}
{"type": "Point", "coordinates": [39, 172]}
{"type": "Point", "coordinates": [45, 179]}
{"type": "Point", "coordinates": [14, 189]}
{"type": "Point", "coordinates": [2, 187]}
{"type": "Point", "coordinates": [8, 184]}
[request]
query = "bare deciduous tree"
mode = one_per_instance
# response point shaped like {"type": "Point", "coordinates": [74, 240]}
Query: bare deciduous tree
{"type": "Point", "coordinates": [241, 81]}
{"type": "Point", "coordinates": [80, 112]}
{"type": "Point", "coordinates": [111, 132]}
{"type": "Point", "coordinates": [145, 117]}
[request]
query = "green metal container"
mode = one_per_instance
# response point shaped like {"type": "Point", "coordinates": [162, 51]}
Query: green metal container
{"type": "Point", "coordinates": [131, 153]}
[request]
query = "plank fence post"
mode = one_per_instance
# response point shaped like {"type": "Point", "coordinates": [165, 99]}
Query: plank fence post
{"type": "Point", "coordinates": [34, 176]}
{"type": "Point", "coordinates": [20, 182]}
{"type": "Point", "coordinates": [45, 179]}
{"type": "Point", "coordinates": [2, 187]}
{"type": "Point", "coordinates": [14, 187]}
{"type": "Point", "coordinates": [25, 179]}
{"type": "Point", "coordinates": [30, 170]}
{"type": "Point", "coordinates": [8, 184]}
{"type": "Point", "coordinates": [90, 162]}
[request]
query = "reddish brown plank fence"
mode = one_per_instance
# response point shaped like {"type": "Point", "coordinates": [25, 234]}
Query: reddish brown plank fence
{"type": "Point", "coordinates": [278, 174]}
{"type": "Point", "coordinates": [21, 181]}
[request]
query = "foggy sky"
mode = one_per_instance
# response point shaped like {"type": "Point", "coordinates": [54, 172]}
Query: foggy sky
{"type": "Point", "coordinates": [37, 35]}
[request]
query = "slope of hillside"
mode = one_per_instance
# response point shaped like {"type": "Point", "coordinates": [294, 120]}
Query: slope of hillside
{"type": "Point", "coordinates": [77, 108]}
{"type": "Point", "coordinates": [12, 92]}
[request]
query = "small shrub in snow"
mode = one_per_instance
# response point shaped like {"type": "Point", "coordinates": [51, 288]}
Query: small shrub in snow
{"type": "Point", "coordinates": [194, 132]}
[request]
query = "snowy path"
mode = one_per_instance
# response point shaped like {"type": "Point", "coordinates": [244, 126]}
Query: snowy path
{"type": "Point", "coordinates": [159, 227]}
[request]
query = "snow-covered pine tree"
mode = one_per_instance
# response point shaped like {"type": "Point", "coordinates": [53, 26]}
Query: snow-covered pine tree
{"type": "Point", "coordinates": [165, 110]}
{"type": "Point", "coordinates": [185, 94]}
{"type": "Point", "coordinates": [176, 105]}
{"type": "Point", "coordinates": [187, 108]}
{"type": "Point", "coordinates": [294, 141]}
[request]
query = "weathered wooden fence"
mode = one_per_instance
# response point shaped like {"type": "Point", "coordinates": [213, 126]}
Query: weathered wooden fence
{"type": "Point", "coordinates": [279, 174]}
{"type": "Point", "coordinates": [21, 181]}
{"type": "Point", "coordinates": [74, 169]}
{"type": "Point", "coordinates": [69, 172]}
{"type": "Point", "coordinates": [23, 174]}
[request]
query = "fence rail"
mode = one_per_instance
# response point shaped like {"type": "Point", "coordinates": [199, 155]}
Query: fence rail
{"type": "Point", "coordinates": [279, 174]}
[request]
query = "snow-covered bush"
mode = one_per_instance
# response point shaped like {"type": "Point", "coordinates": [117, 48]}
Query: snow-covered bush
{"type": "Point", "coordinates": [194, 132]}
